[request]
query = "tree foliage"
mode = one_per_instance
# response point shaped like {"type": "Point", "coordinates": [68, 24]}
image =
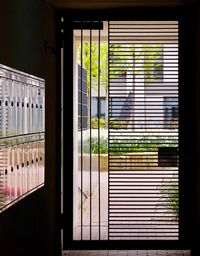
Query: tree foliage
{"type": "Point", "coordinates": [153, 61]}
{"type": "Point", "coordinates": [121, 56]}
{"type": "Point", "coordinates": [91, 63]}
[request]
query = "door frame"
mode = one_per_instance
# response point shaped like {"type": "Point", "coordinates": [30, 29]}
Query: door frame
{"type": "Point", "coordinates": [186, 123]}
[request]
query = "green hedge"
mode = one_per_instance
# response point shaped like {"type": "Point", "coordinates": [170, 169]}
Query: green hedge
{"type": "Point", "coordinates": [144, 144]}
{"type": "Point", "coordinates": [117, 124]}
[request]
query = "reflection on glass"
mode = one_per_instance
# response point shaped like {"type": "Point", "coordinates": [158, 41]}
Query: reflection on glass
{"type": "Point", "coordinates": [21, 134]}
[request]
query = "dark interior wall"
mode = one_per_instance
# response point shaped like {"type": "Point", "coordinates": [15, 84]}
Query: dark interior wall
{"type": "Point", "coordinates": [28, 41]}
{"type": "Point", "coordinates": [22, 31]}
{"type": "Point", "coordinates": [23, 227]}
{"type": "Point", "coordinates": [196, 200]}
{"type": "Point", "coordinates": [52, 193]}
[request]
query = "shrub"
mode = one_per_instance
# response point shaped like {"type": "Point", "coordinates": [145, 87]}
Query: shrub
{"type": "Point", "coordinates": [117, 124]}
{"type": "Point", "coordinates": [94, 146]}
{"type": "Point", "coordinates": [127, 147]}
{"type": "Point", "coordinates": [144, 144]}
{"type": "Point", "coordinates": [94, 123]}
{"type": "Point", "coordinates": [173, 198]}
{"type": "Point", "coordinates": [171, 194]}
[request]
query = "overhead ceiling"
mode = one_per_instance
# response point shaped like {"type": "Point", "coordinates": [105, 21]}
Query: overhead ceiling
{"type": "Point", "coordinates": [83, 4]}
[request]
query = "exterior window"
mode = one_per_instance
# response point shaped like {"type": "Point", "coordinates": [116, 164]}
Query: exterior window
{"type": "Point", "coordinates": [82, 90]}
{"type": "Point", "coordinates": [170, 112]}
{"type": "Point", "coordinates": [95, 107]}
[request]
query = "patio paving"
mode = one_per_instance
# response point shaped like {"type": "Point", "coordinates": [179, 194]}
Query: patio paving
{"type": "Point", "coordinates": [140, 229]}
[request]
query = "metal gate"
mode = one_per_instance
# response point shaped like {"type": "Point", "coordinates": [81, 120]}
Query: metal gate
{"type": "Point", "coordinates": [125, 101]}
{"type": "Point", "coordinates": [143, 130]}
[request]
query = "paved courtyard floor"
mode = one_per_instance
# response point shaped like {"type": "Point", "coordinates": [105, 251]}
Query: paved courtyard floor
{"type": "Point", "coordinates": [92, 222]}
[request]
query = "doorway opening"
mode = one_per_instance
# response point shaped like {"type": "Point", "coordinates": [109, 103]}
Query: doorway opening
{"type": "Point", "coordinates": [125, 130]}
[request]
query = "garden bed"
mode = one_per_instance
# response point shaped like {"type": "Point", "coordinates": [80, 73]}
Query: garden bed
{"type": "Point", "coordinates": [139, 159]}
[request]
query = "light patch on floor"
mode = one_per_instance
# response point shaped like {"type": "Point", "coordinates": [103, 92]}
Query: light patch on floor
{"type": "Point", "coordinates": [126, 253]}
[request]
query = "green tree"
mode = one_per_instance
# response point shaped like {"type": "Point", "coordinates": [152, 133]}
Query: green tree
{"type": "Point", "coordinates": [124, 59]}
{"type": "Point", "coordinates": [91, 63]}
{"type": "Point", "coordinates": [152, 61]}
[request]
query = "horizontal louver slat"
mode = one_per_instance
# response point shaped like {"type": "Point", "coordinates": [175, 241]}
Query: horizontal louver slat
{"type": "Point", "coordinates": [143, 130]}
